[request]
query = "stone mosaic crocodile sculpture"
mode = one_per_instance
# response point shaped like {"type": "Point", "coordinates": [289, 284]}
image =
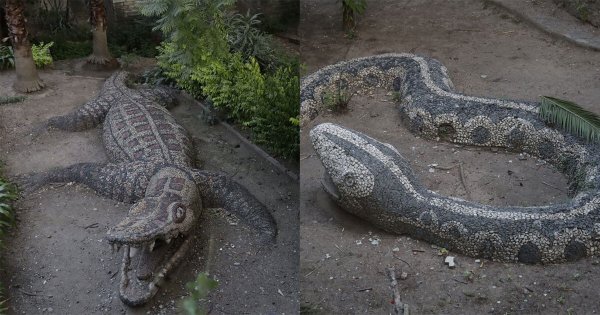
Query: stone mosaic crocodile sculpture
{"type": "Point", "coordinates": [151, 166]}
{"type": "Point", "coordinates": [372, 180]}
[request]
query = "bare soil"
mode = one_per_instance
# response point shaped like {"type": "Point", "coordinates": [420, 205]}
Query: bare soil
{"type": "Point", "coordinates": [57, 261]}
{"type": "Point", "coordinates": [343, 259]}
{"type": "Point", "coordinates": [587, 11]}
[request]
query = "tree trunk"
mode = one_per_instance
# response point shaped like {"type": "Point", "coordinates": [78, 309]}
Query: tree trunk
{"type": "Point", "coordinates": [28, 79]}
{"type": "Point", "coordinates": [100, 54]}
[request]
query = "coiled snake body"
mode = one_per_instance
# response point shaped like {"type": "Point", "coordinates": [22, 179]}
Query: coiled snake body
{"type": "Point", "coordinates": [372, 180]}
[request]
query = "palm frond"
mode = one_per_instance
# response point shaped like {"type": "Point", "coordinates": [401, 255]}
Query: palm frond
{"type": "Point", "coordinates": [571, 117]}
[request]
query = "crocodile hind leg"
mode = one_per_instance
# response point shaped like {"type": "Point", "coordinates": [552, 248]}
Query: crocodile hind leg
{"type": "Point", "coordinates": [124, 182]}
{"type": "Point", "coordinates": [163, 95]}
{"type": "Point", "coordinates": [219, 191]}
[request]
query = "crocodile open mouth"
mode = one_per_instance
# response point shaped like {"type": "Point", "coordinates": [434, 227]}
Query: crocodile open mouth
{"type": "Point", "coordinates": [145, 266]}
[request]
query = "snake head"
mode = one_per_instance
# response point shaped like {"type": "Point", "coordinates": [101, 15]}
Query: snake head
{"type": "Point", "coordinates": [343, 155]}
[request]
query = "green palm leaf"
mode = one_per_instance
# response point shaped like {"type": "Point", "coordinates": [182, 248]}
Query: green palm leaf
{"type": "Point", "coordinates": [571, 117]}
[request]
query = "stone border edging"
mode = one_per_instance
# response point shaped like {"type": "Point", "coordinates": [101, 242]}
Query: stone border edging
{"type": "Point", "coordinates": [260, 152]}
{"type": "Point", "coordinates": [372, 180]}
{"type": "Point", "coordinates": [576, 34]}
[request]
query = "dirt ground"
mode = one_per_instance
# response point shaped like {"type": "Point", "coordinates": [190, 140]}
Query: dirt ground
{"type": "Point", "coordinates": [56, 260]}
{"type": "Point", "coordinates": [343, 260]}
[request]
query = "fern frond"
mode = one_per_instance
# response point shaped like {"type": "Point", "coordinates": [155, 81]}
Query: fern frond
{"type": "Point", "coordinates": [571, 117]}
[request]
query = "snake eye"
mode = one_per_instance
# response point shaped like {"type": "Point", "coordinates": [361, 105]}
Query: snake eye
{"type": "Point", "coordinates": [349, 179]}
{"type": "Point", "coordinates": [177, 212]}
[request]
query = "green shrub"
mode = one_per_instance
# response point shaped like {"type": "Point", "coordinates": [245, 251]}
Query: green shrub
{"type": "Point", "coordinates": [198, 290]}
{"type": "Point", "coordinates": [263, 102]}
{"type": "Point", "coordinates": [156, 76]}
{"type": "Point", "coordinates": [245, 36]}
{"type": "Point", "coordinates": [133, 35]}
{"type": "Point", "coordinates": [51, 15]}
{"type": "Point", "coordinates": [41, 54]}
{"type": "Point", "coordinates": [7, 195]}
{"type": "Point", "coordinates": [127, 36]}
{"type": "Point", "coordinates": [206, 60]}
{"type": "Point", "coordinates": [7, 57]}
{"type": "Point", "coordinates": [70, 49]}
{"type": "Point", "coordinates": [11, 99]}
{"type": "Point", "coordinates": [351, 9]}
{"type": "Point", "coordinates": [276, 119]}
{"type": "Point", "coordinates": [337, 100]}
{"type": "Point", "coordinates": [69, 43]}
{"type": "Point", "coordinates": [128, 59]}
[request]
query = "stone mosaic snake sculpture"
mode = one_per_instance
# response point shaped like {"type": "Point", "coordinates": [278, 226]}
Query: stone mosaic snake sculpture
{"type": "Point", "coordinates": [372, 180]}
{"type": "Point", "coordinates": [151, 166]}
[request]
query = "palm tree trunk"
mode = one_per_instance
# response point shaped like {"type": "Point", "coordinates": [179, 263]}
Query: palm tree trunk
{"type": "Point", "coordinates": [28, 79]}
{"type": "Point", "coordinates": [100, 54]}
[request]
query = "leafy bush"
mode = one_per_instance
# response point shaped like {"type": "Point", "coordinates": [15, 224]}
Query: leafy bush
{"type": "Point", "coordinates": [338, 99]}
{"type": "Point", "coordinates": [245, 37]}
{"type": "Point", "coordinates": [128, 59]}
{"type": "Point", "coordinates": [198, 290]}
{"type": "Point", "coordinates": [133, 35]}
{"type": "Point", "coordinates": [11, 99]}
{"type": "Point", "coordinates": [41, 54]}
{"type": "Point", "coordinates": [130, 35]}
{"type": "Point", "coordinates": [351, 9]}
{"type": "Point", "coordinates": [52, 16]}
{"type": "Point", "coordinates": [276, 119]}
{"type": "Point", "coordinates": [7, 57]}
{"type": "Point", "coordinates": [156, 76]}
{"type": "Point", "coordinates": [206, 59]}
{"type": "Point", "coordinates": [71, 49]}
{"type": "Point", "coordinates": [7, 195]}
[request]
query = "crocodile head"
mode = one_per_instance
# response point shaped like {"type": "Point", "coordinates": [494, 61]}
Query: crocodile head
{"type": "Point", "coordinates": [155, 233]}
{"type": "Point", "coordinates": [356, 165]}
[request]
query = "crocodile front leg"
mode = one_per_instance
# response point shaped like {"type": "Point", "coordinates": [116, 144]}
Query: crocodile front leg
{"type": "Point", "coordinates": [88, 116]}
{"type": "Point", "coordinates": [124, 182]}
{"type": "Point", "coordinates": [92, 113]}
{"type": "Point", "coordinates": [219, 191]}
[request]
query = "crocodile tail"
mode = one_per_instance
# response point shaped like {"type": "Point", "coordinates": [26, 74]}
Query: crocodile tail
{"type": "Point", "coordinates": [219, 190]}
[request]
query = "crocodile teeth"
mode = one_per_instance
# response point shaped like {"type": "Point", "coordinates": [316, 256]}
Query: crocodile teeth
{"type": "Point", "coordinates": [168, 240]}
{"type": "Point", "coordinates": [152, 245]}
{"type": "Point", "coordinates": [132, 251]}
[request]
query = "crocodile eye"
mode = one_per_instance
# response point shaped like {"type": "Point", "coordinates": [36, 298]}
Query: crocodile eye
{"type": "Point", "coordinates": [178, 212]}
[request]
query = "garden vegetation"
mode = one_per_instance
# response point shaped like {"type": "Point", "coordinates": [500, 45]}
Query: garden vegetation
{"type": "Point", "coordinates": [213, 53]}
{"type": "Point", "coordinates": [7, 195]}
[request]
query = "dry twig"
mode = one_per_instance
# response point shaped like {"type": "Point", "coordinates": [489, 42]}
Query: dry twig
{"type": "Point", "coordinates": [399, 307]}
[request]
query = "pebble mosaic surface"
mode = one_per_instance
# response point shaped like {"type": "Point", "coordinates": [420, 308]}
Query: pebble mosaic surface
{"type": "Point", "coordinates": [372, 180]}
{"type": "Point", "coordinates": [151, 166]}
